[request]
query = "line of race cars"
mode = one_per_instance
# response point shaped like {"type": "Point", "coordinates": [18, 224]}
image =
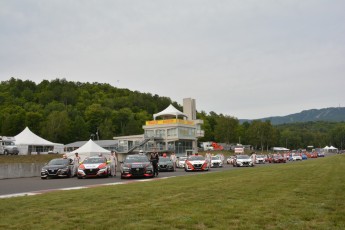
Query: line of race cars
{"type": "Point", "coordinates": [139, 165]}
{"type": "Point", "coordinates": [136, 165]}
{"type": "Point", "coordinates": [245, 160]}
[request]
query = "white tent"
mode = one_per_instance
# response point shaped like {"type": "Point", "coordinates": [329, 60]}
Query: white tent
{"type": "Point", "coordinates": [170, 111]}
{"type": "Point", "coordinates": [326, 148]}
{"type": "Point", "coordinates": [330, 149]}
{"type": "Point", "coordinates": [90, 148]}
{"type": "Point", "coordinates": [333, 149]}
{"type": "Point", "coordinates": [280, 149]}
{"type": "Point", "coordinates": [29, 143]}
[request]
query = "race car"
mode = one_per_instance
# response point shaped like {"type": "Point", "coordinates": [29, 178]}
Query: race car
{"type": "Point", "coordinates": [57, 168]}
{"type": "Point", "coordinates": [165, 164]}
{"type": "Point", "coordinates": [196, 163]}
{"type": "Point", "coordinates": [243, 161]}
{"type": "Point", "coordinates": [296, 157]}
{"type": "Point", "coordinates": [259, 159]}
{"type": "Point", "coordinates": [216, 162]}
{"type": "Point", "coordinates": [278, 159]}
{"type": "Point", "coordinates": [180, 162]}
{"type": "Point", "coordinates": [230, 160]}
{"type": "Point", "coordinates": [93, 167]}
{"type": "Point", "coordinates": [136, 166]}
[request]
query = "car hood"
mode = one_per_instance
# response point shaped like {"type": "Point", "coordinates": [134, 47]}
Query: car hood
{"type": "Point", "coordinates": [137, 164]}
{"type": "Point", "coordinates": [216, 161]}
{"type": "Point", "coordinates": [54, 166]}
{"type": "Point", "coordinates": [243, 160]}
{"type": "Point", "coordinates": [93, 166]}
{"type": "Point", "coordinates": [197, 162]}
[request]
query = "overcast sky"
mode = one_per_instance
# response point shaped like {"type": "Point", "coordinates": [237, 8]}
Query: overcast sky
{"type": "Point", "coordinates": [243, 58]}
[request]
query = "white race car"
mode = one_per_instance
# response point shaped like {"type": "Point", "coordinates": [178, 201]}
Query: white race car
{"type": "Point", "coordinates": [216, 162]}
{"type": "Point", "coordinates": [230, 160]}
{"type": "Point", "coordinates": [259, 159]}
{"type": "Point", "coordinates": [243, 161]}
{"type": "Point", "coordinates": [296, 158]}
{"type": "Point", "coordinates": [196, 163]}
{"type": "Point", "coordinates": [180, 162]}
{"type": "Point", "coordinates": [93, 167]}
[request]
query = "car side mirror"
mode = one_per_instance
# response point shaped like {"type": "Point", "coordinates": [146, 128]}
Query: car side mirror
{"type": "Point", "coordinates": [121, 162]}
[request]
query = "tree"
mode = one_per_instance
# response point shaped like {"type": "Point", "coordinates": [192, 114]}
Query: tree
{"type": "Point", "coordinates": [261, 134]}
{"type": "Point", "coordinates": [57, 127]}
{"type": "Point", "coordinates": [226, 129]}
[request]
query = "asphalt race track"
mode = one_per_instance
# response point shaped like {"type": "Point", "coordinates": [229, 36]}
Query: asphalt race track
{"type": "Point", "coordinates": [35, 185]}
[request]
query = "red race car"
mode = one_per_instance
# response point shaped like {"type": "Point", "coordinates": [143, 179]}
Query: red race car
{"type": "Point", "coordinates": [278, 159]}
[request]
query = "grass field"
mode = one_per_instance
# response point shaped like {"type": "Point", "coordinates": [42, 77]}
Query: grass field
{"type": "Point", "coordinates": [299, 195]}
{"type": "Point", "coordinates": [5, 159]}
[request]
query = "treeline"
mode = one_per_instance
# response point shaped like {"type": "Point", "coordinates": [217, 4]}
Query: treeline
{"type": "Point", "coordinates": [264, 135]}
{"type": "Point", "coordinates": [63, 111]}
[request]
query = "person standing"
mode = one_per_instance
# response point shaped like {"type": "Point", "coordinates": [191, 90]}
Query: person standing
{"type": "Point", "coordinates": [253, 157]}
{"type": "Point", "coordinates": [208, 158]}
{"type": "Point", "coordinates": [154, 159]}
{"type": "Point", "coordinates": [173, 159]}
{"type": "Point", "coordinates": [113, 164]}
{"type": "Point", "coordinates": [76, 163]}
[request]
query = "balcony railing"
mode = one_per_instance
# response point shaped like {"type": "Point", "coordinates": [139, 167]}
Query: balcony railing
{"type": "Point", "coordinates": [169, 121]}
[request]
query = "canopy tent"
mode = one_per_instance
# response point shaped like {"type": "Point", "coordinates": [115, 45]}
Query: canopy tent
{"type": "Point", "coordinates": [29, 143]}
{"type": "Point", "coordinates": [332, 149]}
{"type": "Point", "coordinates": [89, 149]}
{"type": "Point", "coordinates": [170, 111]}
{"type": "Point", "coordinates": [280, 149]}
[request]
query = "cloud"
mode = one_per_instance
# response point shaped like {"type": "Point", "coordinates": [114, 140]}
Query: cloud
{"type": "Point", "coordinates": [248, 59]}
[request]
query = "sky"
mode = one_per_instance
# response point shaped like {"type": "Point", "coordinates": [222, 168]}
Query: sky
{"type": "Point", "coordinates": [248, 59]}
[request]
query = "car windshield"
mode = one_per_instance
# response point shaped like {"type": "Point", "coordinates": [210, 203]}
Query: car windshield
{"type": "Point", "coordinates": [97, 160]}
{"type": "Point", "coordinates": [58, 162]}
{"type": "Point", "coordinates": [132, 159]}
{"type": "Point", "coordinates": [260, 156]}
{"type": "Point", "coordinates": [215, 158]}
{"type": "Point", "coordinates": [196, 158]}
{"type": "Point", "coordinates": [242, 157]}
{"type": "Point", "coordinates": [164, 159]}
{"type": "Point", "coordinates": [7, 143]}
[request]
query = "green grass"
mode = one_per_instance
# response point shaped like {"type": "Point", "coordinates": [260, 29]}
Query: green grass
{"type": "Point", "coordinates": [5, 159]}
{"type": "Point", "coordinates": [300, 195]}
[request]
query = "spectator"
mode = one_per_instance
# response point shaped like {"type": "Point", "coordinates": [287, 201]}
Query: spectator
{"type": "Point", "coordinates": [113, 163]}
{"type": "Point", "coordinates": [76, 163]}
{"type": "Point", "coordinates": [173, 159]}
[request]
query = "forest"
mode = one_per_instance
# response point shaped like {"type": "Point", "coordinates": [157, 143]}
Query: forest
{"type": "Point", "coordinates": [63, 111]}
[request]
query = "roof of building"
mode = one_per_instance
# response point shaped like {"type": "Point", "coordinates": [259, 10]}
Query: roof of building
{"type": "Point", "coordinates": [169, 112]}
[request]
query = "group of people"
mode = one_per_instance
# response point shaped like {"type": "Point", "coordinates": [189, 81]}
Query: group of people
{"type": "Point", "coordinates": [77, 161]}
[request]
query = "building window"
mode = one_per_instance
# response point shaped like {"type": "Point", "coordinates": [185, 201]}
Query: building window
{"type": "Point", "coordinates": [160, 133]}
{"type": "Point", "coordinates": [172, 132]}
{"type": "Point", "coordinates": [182, 146]}
{"type": "Point", "coordinates": [184, 132]}
{"type": "Point", "coordinates": [149, 133]}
